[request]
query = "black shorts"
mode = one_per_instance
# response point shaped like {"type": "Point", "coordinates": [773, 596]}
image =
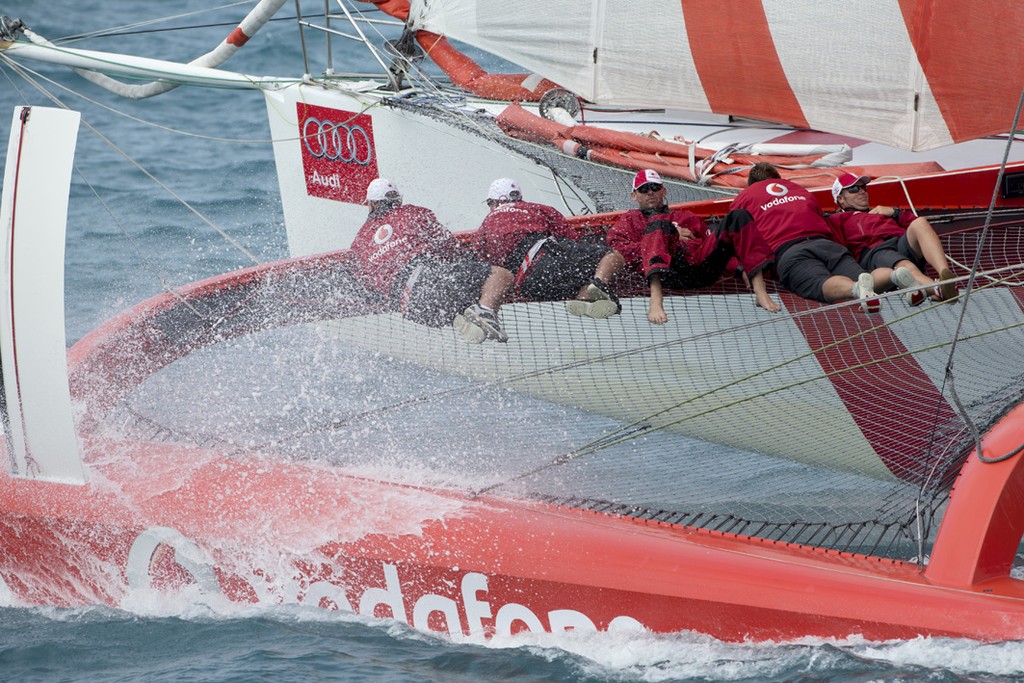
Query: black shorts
{"type": "Point", "coordinates": [561, 268]}
{"type": "Point", "coordinates": [804, 267]}
{"type": "Point", "coordinates": [889, 253]}
{"type": "Point", "coordinates": [684, 275]}
{"type": "Point", "coordinates": [432, 292]}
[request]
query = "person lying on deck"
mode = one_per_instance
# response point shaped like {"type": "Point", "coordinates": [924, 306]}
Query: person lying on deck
{"type": "Point", "coordinates": [776, 222]}
{"type": "Point", "coordinates": [404, 253]}
{"type": "Point", "coordinates": [673, 248]}
{"type": "Point", "coordinates": [540, 248]}
{"type": "Point", "coordinates": [888, 237]}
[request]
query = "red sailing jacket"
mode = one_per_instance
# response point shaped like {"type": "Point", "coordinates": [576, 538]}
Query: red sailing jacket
{"type": "Point", "coordinates": [768, 215]}
{"type": "Point", "coordinates": [392, 237]}
{"type": "Point", "coordinates": [629, 237]}
{"type": "Point", "coordinates": [499, 239]}
{"type": "Point", "coordinates": [862, 230]}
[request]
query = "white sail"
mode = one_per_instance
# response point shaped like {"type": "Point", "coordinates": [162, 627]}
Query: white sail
{"type": "Point", "coordinates": [915, 74]}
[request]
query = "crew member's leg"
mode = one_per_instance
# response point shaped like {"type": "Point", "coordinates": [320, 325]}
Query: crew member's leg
{"type": "Point", "coordinates": [825, 271]}
{"type": "Point", "coordinates": [494, 289]}
{"type": "Point", "coordinates": [924, 241]}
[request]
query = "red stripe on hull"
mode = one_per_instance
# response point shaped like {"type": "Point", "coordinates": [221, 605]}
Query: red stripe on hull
{"type": "Point", "coordinates": [479, 567]}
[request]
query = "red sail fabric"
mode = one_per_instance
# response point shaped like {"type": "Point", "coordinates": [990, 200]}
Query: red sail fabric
{"type": "Point", "coordinates": [739, 82]}
{"type": "Point", "coordinates": [971, 53]}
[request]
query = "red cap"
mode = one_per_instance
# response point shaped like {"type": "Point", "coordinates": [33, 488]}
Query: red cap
{"type": "Point", "coordinates": [644, 177]}
{"type": "Point", "coordinates": [844, 181]}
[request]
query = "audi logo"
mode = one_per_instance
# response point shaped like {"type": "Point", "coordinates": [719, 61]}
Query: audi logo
{"type": "Point", "coordinates": [337, 141]}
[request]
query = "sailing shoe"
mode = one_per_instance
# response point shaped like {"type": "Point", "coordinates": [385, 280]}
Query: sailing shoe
{"type": "Point", "coordinates": [602, 308]}
{"type": "Point", "coordinates": [601, 304]}
{"type": "Point", "coordinates": [915, 298]}
{"type": "Point", "coordinates": [468, 331]}
{"type": "Point", "coordinates": [946, 289]}
{"type": "Point", "coordinates": [866, 294]}
{"type": "Point", "coordinates": [598, 290]}
{"type": "Point", "coordinates": [904, 279]}
{"type": "Point", "coordinates": [487, 321]}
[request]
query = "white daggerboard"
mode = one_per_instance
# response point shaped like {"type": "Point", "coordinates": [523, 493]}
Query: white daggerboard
{"type": "Point", "coordinates": [37, 179]}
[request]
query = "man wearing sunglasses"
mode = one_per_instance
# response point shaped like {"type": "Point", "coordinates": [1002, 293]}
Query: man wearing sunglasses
{"type": "Point", "coordinates": [776, 223]}
{"type": "Point", "coordinates": [535, 243]}
{"type": "Point", "coordinates": [890, 238]}
{"type": "Point", "coordinates": [673, 248]}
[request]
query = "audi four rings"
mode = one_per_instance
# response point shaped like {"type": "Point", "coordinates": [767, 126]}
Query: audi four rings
{"type": "Point", "coordinates": [337, 141]}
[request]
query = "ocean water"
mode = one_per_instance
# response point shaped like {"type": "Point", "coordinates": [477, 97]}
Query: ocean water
{"type": "Point", "coordinates": [137, 240]}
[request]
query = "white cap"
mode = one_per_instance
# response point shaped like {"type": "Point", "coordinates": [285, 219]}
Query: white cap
{"type": "Point", "coordinates": [644, 177]}
{"type": "Point", "coordinates": [846, 181]}
{"type": "Point", "coordinates": [505, 190]}
{"type": "Point", "coordinates": [380, 189]}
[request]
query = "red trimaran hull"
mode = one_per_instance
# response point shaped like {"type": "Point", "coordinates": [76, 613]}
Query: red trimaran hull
{"type": "Point", "coordinates": [257, 530]}
{"type": "Point", "coordinates": [491, 565]}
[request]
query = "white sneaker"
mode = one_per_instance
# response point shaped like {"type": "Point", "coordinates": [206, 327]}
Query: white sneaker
{"type": "Point", "coordinates": [904, 279]}
{"type": "Point", "coordinates": [600, 309]}
{"type": "Point", "coordinates": [915, 298]}
{"type": "Point", "coordinates": [597, 293]}
{"type": "Point", "coordinates": [474, 334]}
{"type": "Point", "coordinates": [866, 294]}
{"type": "Point", "coordinates": [600, 304]}
{"type": "Point", "coordinates": [484, 320]}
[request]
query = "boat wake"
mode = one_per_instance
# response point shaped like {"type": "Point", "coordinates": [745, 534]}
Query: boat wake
{"type": "Point", "coordinates": [185, 634]}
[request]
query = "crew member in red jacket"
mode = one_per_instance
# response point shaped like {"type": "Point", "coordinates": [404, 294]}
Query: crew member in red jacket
{"type": "Point", "coordinates": [539, 247]}
{"type": "Point", "coordinates": [777, 222]}
{"type": "Point", "coordinates": [889, 237]}
{"type": "Point", "coordinates": [672, 248]}
{"type": "Point", "coordinates": [403, 252]}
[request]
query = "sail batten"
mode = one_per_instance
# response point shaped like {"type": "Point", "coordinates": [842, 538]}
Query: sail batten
{"type": "Point", "coordinates": [913, 74]}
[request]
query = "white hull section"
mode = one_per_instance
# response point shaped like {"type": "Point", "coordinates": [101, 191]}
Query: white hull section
{"type": "Point", "coordinates": [323, 177]}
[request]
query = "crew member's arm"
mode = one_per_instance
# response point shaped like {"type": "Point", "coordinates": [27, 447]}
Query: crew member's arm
{"type": "Point", "coordinates": [761, 293]}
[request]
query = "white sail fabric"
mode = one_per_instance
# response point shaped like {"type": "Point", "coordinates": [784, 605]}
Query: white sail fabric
{"type": "Point", "coordinates": [914, 74]}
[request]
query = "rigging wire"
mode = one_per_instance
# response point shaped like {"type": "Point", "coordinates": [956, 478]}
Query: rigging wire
{"type": "Point", "coordinates": [642, 425]}
{"type": "Point", "coordinates": [949, 376]}
{"type": "Point", "coordinates": [115, 30]}
{"type": "Point", "coordinates": [219, 24]}
{"type": "Point", "coordinates": [80, 174]}
{"type": "Point", "coordinates": [57, 101]}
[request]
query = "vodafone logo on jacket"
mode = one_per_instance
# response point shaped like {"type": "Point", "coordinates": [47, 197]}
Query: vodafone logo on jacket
{"type": "Point", "coordinates": [383, 234]}
{"type": "Point", "coordinates": [781, 194]}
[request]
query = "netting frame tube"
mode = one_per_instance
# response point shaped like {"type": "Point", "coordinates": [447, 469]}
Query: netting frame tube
{"type": "Point", "coordinates": [983, 526]}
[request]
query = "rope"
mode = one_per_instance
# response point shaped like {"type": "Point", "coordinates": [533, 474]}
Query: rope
{"type": "Point", "coordinates": [970, 287]}
{"type": "Point", "coordinates": [642, 426]}
{"type": "Point", "coordinates": [230, 240]}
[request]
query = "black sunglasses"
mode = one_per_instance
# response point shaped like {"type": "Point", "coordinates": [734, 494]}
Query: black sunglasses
{"type": "Point", "coordinates": [856, 188]}
{"type": "Point", "coordinates": [649, 187]}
